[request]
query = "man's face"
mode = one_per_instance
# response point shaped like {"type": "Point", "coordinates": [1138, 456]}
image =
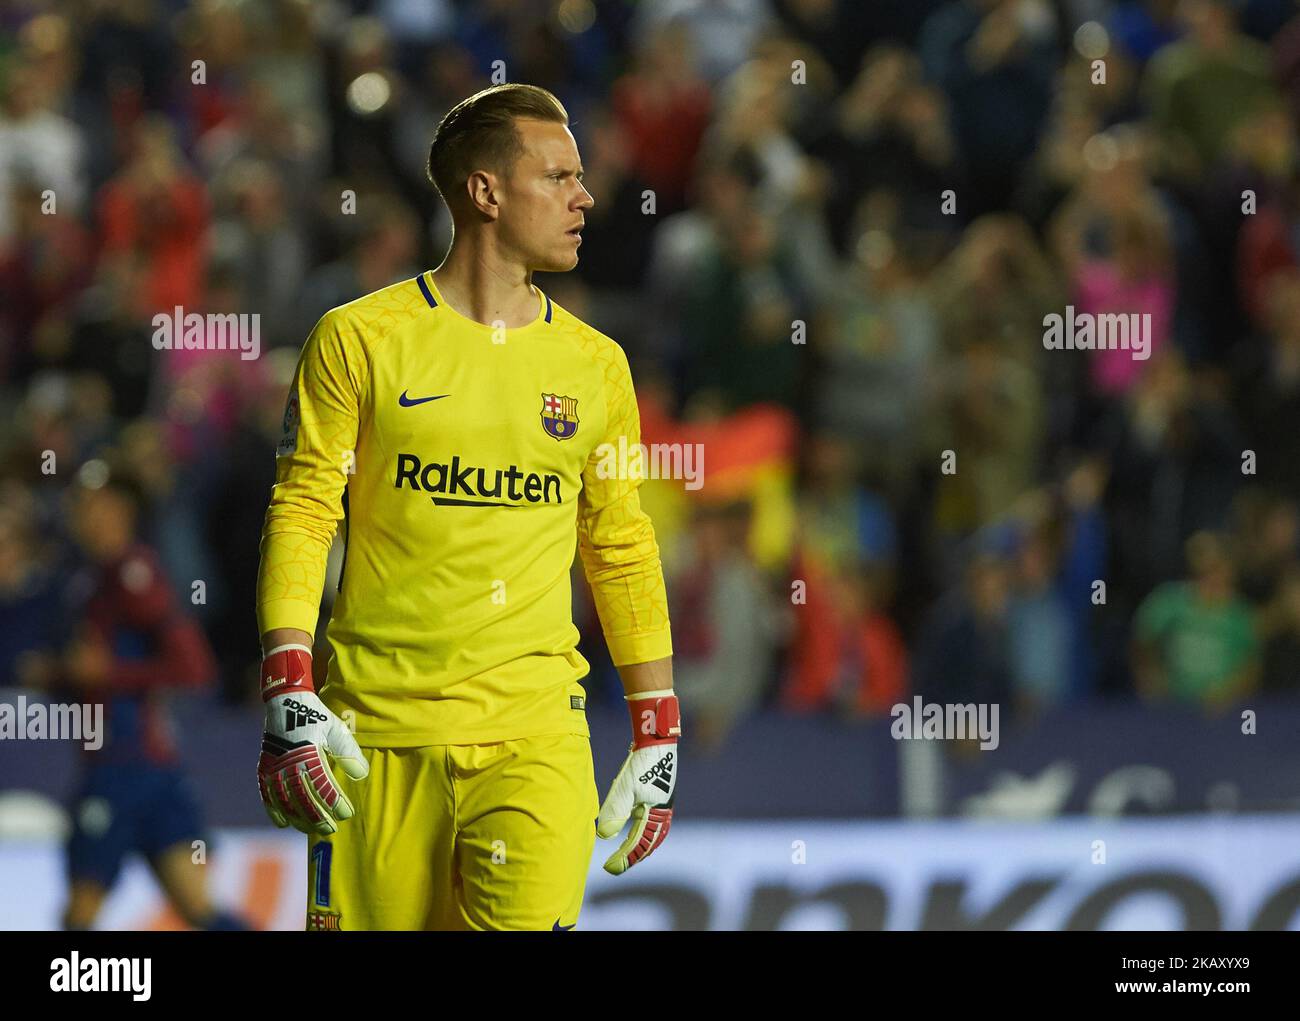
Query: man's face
{"type": "Point", "coordinates": [542, 200]}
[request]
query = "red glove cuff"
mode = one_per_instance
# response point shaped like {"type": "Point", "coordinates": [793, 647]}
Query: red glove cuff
{"type": "Point", "coordinates": [287, 668]}
{"type": "Point", "coordinates": [655, 720]}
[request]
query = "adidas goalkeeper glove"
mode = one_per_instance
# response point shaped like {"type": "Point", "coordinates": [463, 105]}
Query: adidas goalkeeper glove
{"type": "Point", "coordinates": [644, 786]}
{"type": "Point", "coordinates": [300, 738]}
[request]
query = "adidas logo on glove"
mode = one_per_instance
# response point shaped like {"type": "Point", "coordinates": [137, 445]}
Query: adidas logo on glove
{"type": "Point", "coordinates": [298, 715]}
{"type": "Point", "coordinates": [660, 774]}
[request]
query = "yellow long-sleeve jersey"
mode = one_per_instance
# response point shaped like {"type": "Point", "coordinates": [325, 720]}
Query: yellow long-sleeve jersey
{"type": "Point", "coordinates": [465, 463]}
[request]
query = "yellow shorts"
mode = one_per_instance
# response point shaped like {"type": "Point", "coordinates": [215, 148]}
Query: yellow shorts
{"type": "Point", "coordinates": [478, 836]}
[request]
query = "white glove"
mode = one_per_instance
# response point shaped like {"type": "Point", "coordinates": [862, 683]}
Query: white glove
{"type": "Point", "coordinates": [300, 738]}
{"type": "Point", "coordinates": [644, 786]}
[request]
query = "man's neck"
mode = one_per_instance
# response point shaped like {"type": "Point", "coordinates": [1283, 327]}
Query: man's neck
{"type": "Point", "coordinates": [485, 289]}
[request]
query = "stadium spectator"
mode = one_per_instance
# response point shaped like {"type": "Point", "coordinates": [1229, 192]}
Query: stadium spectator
{"type": "Point", "coordinates": [744, 292]}
{"type": "Point", "coordinates": [44, 267]}
{"type": "Point", "coordinates": [994, 59]}
{"type": "Point", "coordinates": [37, 143]}
{"type": "Point", "coordinates": [260, 245]}
{"type": "Point", "coordinates": [723, 655]}
{"type": "Point", "coordinates": [663, 108]}
{"type": "Point", "coordinates": [382, 254]}
{"type": "Point", "coordinates": [1266, 538]}
{"type": "Point", "coordinates": [722, 32]}
{"type": "Point", "coordinates": [1195, 641]}
{"type": "Point", "coordinates": [1269, 387]}
{"type": "Point", "coordinates": [154, 216]}
{"type": "Point", "coordinates": [1174, 449]}
{"type": "Point", "coordinates": [995, 405]}
{"type": "Point", "coordinates": [1115, 245]}
{"type": "Point", "coordinates": [1280, 634]}
{"type": "Point", "coordinates": [847, 656]}
{"type": "Point", "coordinates": [889, 130]}
{"type": "Point", "coordinates": [1041, 626]}
{"type": "Point", "coordinates": [31, 588]}
{"type": "Point", "coordinates": [969, 625]}
{"type": "Point", "coordinates": [1202, 87]}
{"type": "Point", "coordinates": [877, 341]}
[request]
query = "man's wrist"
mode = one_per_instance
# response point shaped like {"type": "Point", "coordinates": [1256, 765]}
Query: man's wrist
{"type": "Point", "coordinates": [286, 668]}
{"type": "Point", "coordinates": [656, 717]}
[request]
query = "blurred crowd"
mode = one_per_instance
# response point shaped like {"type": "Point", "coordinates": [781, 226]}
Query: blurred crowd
{"type": "Point", "coordinates": [827, 234]}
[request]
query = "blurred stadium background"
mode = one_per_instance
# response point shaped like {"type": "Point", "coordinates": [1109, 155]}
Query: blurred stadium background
{"type": "Point", "coordinates": [754, 163]}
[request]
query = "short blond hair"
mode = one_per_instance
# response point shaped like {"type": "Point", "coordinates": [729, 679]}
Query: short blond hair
{"type": "Point", "coordinates": [479, 133]}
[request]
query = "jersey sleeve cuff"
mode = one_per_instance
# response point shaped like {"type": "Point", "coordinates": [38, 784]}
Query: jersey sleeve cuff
{"type": "Point", "coordinates": [282, 613]}
{"type": "Point", "coordinates": [640, 647]}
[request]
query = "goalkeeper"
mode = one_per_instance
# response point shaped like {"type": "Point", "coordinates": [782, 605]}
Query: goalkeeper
{"type": "Point", "coordinates": [455, 425]}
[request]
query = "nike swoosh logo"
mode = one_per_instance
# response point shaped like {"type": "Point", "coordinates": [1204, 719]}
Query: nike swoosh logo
{"type": "Point", "coordinates": [410, 402]}
{"type": "Point", "coordinates": [557, 927]}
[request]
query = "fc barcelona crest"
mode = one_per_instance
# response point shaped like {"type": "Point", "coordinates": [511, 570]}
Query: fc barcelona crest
{"type": "Point", "coordinates": [324, 921]}
{"type": "Point", "coordinates": [559, 416]}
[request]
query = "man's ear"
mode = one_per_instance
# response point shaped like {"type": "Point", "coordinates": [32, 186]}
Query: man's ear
{"type": "Point", "coordinates": [481, 190]}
